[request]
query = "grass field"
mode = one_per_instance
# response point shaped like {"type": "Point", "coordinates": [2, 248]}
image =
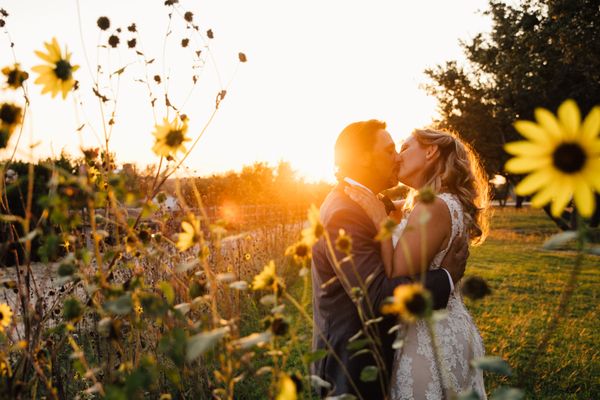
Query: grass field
{"type": "Point", "coordinates": [526, 282]}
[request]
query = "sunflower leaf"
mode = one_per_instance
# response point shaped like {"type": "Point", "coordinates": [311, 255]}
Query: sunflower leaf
{"type": "Point", "coordinates": [492, 364]}
{"type": "Point", "coordinates": [369, 373]}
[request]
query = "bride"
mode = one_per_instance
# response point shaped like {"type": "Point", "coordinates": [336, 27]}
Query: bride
{"type": "Point", "coordinates": [442, 162]}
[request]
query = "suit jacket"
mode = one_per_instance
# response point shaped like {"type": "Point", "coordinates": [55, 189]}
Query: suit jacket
{"type": "Point", "coordinates": [334, 313]}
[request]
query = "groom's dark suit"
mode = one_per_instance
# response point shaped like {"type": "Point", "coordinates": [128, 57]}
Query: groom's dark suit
{"type": "Point", "coordinates": [334, 313]}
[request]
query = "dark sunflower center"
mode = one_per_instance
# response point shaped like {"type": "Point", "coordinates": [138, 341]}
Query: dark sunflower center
{"type": "Point", "coordinates": [63, 70]}
{"type": "Point", "coordinates": [569, 158]}
{"type": "Point", "coordinates": [174, 137]}
{"type": "Point", "coordinates": [301, 250]}
{"type": "Point", "coordinates": [8, 114]}
{"type": "Point", "coordinates": [1, 316]}
{"type": "Point", "coordinates": [417, 305]}
{"type": "Point", "coordinates": [12, 78]}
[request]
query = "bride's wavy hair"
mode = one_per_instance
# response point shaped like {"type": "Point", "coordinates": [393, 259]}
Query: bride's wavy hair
{"type": "Point", "coordinates": [458, 171]}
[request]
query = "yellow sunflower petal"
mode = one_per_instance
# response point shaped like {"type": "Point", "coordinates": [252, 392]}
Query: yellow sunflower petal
{"type": "Point", "coordinates": [43, 69]}
{"type": "Point", "coordinates": [526, 148]}
{"type": "Point", "coordinates": [543, 196]}
{"type": "Point", "coordinates": [44, 57]}
{"type": "Point", "coordinates": [535, 181]}
{"type": "Point", "coordinates": [532, 131]}
{"type": "Point", "coordinates": [548, 123]}
{"type": "Point", "coordinates": [591, 124]}
{"type": "Point", "coordinates": [522, 165]}
{"type": "Point", "coordinates": [562, 197]}
{"type": "Point", "coordinates": [584, 198]}
{"type": "Point", "coordinates": [55, 48]}
{"type": "Point", "coordinates": [570, 118]}
{"type": "Point", "coordinates": [591, 173]}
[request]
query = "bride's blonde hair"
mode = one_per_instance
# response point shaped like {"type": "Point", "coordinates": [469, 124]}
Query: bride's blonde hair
{"type": "Point", "coordinates": [458, 171]}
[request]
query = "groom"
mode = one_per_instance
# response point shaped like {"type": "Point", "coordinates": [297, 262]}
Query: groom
{"type": "Point", "coordinates": [366, 156]}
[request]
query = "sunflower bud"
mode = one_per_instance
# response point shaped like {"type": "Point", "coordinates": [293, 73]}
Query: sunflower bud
{"type": "Point", "coordinates": [475, 288]}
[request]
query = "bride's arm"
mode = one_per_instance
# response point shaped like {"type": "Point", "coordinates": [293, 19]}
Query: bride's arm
{"type": "Point", "coordinates": [427, 230]}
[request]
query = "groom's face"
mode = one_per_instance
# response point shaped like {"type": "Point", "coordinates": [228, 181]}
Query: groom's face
{"type": "Point", "coordinates": [384, 161]}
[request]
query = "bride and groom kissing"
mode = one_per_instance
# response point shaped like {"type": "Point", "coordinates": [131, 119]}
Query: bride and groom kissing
{"type": "Point", "coordinates": [351, 287]}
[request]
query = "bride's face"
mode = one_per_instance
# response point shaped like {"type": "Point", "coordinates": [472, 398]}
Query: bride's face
{"type": "Point", "coordinates": [413, 159]}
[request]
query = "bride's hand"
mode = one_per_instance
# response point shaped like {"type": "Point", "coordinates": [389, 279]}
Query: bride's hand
{"type": "Point", "coordinates": [369, 202]}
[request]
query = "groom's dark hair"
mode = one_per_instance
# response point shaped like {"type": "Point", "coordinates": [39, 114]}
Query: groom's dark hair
{"type": "Point", "coordinates": [353, 141]}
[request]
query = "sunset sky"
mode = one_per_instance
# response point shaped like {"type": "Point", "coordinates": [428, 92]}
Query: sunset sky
{"type": "Point", "coordinates": [313, 67]}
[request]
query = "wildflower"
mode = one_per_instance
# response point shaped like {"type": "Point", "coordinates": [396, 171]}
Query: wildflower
{"type": "Point", "coordinates": [210, 34]}
{"type": "Point", "coordinates": [5, 316]}
{"type": "Point", "coordinates": [185, 42]}
{"type": "Point", "coordinates": [279, 326]}
{"type": "Point", "coordinates": [14, 76]}
{"type": "Point", "coordinates": [93, 174]}
{"type": "Point", "coordinates": [57, 76]}
{"type": "Point", "coordinates": [131, 43]}
{"type": "Point", "coordinates": [561, 156]}
{"type": "Point", "coordinates": [10, 118]}
{"type": "Point", "coordinates": [311, 234]}
{"type": "Point", "coordinates": [247, 256]}
{"type": "Point", "coordinates": [426, 195]}
{"type": "Point", "coordinates": [387, 229]}
{"type": "Point", "coordinates": [267, 279]}
{"type": "Point", "coordinates": [132, 28]}
{"type": "Point", "coordinates": [242, 57]}
{"type": "Point", "coordinates": [103, 23]}
{"type": "Point", "coordinates": [300, 251]}
{"type": "Point", "coordinates": [170, 137]}
{"type": "Point", "coordinates": [343, 242]}
{"type": "Point", "coordinates": [5, 369]}
{"type": "Point", "coordinates": [475, 288]}
{"type": "Point", "coordinates": [410, 302]}
{"type": "Point", "coordinates": [191, 233]}
{"type": "Point", "coordinates": [188, 16]}
{"type": "Point", "coordinates": [113, 41]}
{"type": "Point", "coordinates": [287, 388]}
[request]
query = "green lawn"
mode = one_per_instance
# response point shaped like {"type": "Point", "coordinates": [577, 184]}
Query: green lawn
{"type": "Point", "coordinates": [526, 282]}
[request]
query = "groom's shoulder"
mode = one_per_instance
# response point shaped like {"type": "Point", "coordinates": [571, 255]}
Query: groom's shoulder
{"type": "Point", "coordinates": [336, 203]}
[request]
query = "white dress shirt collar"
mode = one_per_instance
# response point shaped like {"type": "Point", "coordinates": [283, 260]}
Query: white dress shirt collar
{"type": "Point", "coordinates": [354, 183]}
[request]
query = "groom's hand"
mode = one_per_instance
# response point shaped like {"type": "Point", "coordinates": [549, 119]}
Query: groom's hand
{"type": "Point", "coordinates": [455, 260]}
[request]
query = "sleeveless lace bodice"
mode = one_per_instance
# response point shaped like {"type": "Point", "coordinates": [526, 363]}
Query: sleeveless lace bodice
{"type": "Point", "coordinates": [415, 374]}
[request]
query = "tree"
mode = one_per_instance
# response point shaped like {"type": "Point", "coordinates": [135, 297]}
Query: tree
{"type": "Point", "coordinates": [537, 54]}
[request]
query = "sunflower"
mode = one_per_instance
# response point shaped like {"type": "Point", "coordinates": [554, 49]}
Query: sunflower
{"type": "Point", "coordinates": [410, 302]}
{"type": "Point", "coordinates": [343, 242]}
{"type": "Point", "coordinates": [14, 76]}
{"type": "Point", "coordinates": [191, 233]}
{"type": "Point", "coordinates": [561, 156]}
{"type": "Point", "coordinates": [315, 230]}
{"type": "Point", "coordinates": [57, 76]}
{"type": "Point", "coordinates": [301, 251]}
{"type": "Point", "coordinates": [170, 137]}
{"type": "Point", "coordinates": [267, 279]}
{"type": "Point", "coordinates": [5, 316]}
{"type": "Point", "coordinates": [10, 118]}
{"type": "Point", "coordinates": [287, 388]}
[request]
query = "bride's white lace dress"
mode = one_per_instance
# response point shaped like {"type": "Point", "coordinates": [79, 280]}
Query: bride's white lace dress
{"type": "Point", "coordinates": [415, 374]}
